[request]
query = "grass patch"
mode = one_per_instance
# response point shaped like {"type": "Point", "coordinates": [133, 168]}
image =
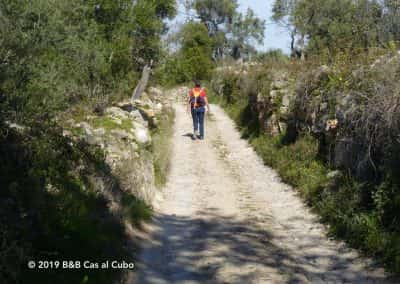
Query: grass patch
{"type": "Point", "coordinates": [135, 210]}
{"type": "Point", "coordinates": [296, 163]}
{"type": "Point", "coordinates": [108, 123]}
{"type": "Point", "coordinates": [162, 146]}
{"type": "Point", "coordinates": [80, 114]}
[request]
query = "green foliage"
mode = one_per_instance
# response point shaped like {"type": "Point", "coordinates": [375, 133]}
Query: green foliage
{"type": "Point", "coordinates": [215, 13]}
{"type": "Point", "coordinates": [56, 54]}
{"type": "Point", "coordinates": [148, 27]}
{"type": "Point", "coordinates": [232, 33]}
{"type": "Point", "coordinates": [337, 25]}
{"type": "Point", "coordinates": [193, 60]}
{"type": "Point", "coordinates": [63, 56]}
{"type": "Point", "coordinates": [275, 55]}
{"type": "Point", "coordinates": [244, 30]}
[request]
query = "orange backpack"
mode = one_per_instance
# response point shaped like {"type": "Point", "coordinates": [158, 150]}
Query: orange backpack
{"type": "Point", "coordinates": [197, 100]}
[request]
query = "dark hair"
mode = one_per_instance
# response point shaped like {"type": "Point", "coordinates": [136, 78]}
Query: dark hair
{"type": "Point", "coordinates": [196, 83]}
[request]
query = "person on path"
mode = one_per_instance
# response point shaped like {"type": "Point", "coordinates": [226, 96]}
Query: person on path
{"type": "Point", "coordinates": [197, 103]}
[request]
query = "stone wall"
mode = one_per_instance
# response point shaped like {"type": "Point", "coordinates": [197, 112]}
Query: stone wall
{"type": "Point", "coordinates": [352, 113]}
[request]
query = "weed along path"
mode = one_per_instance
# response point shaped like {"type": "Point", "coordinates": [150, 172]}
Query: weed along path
{"type": "Point", "coordinates": [224, 217]}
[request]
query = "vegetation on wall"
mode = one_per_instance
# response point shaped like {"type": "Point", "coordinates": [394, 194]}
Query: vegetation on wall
{"type": "Point", "coordinates": [358, 195]}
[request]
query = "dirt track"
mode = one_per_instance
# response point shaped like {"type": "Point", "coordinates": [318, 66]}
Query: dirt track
{"type": "Point", "coordinates": [226, 218]}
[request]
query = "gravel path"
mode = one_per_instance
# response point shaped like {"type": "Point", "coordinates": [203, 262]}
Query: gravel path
{"type": "Point", "coordinates": [224, 217]}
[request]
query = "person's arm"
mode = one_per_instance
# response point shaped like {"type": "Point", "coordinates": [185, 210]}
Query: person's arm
{"type": "Point", "coordinates": [207, 104]}
{"type": "Point", "coordinates": [188, 103]}
{"type": "Point", "coordinates": [206, 100]}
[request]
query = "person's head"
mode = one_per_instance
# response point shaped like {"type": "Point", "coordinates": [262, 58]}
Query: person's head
{"type": "Point", "coordinates": [196, 83]}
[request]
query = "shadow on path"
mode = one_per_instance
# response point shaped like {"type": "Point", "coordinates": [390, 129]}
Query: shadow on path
{"type": "Point", "coordinates": [196, 250]}
{"type": "Point", "coordinates": [189, 135]}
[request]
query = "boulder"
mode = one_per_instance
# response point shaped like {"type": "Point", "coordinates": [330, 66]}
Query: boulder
{"type": "Point", "coordinates": [116, 112]}
{"type": "Point", "coordinates": [121, 134]}
{"type": "Point", "coordinates": [92, 140]}
{"type": "Point", "coordinates": [159, 107]}
{"type": "Point", "coordinates": [86, 127]}
{"type": "Point", "coordinates": [99, 131]}
{"type": "Point", "coordinates": [141, 134]}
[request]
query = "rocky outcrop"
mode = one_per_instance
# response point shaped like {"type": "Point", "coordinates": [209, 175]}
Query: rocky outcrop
{"type": "Point", "coordinates": [354, 115]}
{"type": "Point", "coordinates": [272, 103]}
{"type": "Point", "coordinates": [123, 132]}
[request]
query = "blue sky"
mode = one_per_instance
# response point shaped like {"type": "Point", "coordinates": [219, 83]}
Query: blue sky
{"type": "Point", "coordinates": [275, 36]}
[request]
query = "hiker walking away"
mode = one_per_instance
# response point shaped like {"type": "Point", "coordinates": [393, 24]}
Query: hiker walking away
{"type": "Point", "coordinates": [197, 103]}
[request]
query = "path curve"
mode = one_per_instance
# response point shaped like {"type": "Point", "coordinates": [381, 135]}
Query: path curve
{"type": "Point", "coordinates": [226, 218]}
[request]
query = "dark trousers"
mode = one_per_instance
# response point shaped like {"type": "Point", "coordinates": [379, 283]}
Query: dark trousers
{"type": "Point", "coordinates": [198, 119]}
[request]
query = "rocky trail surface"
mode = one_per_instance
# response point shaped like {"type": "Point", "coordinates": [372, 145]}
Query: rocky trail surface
{"type": "Point", "coordinates": [224, 217]}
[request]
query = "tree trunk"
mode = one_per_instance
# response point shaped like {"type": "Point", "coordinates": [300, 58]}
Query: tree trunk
{"type": "Point", "coordinates": [141, 86]}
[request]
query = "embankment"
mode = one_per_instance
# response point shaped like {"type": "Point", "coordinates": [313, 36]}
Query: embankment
{"type": "Point", "coordinates": [79, 189]}
{"type": "Point", "coordinates": [332, 132]}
